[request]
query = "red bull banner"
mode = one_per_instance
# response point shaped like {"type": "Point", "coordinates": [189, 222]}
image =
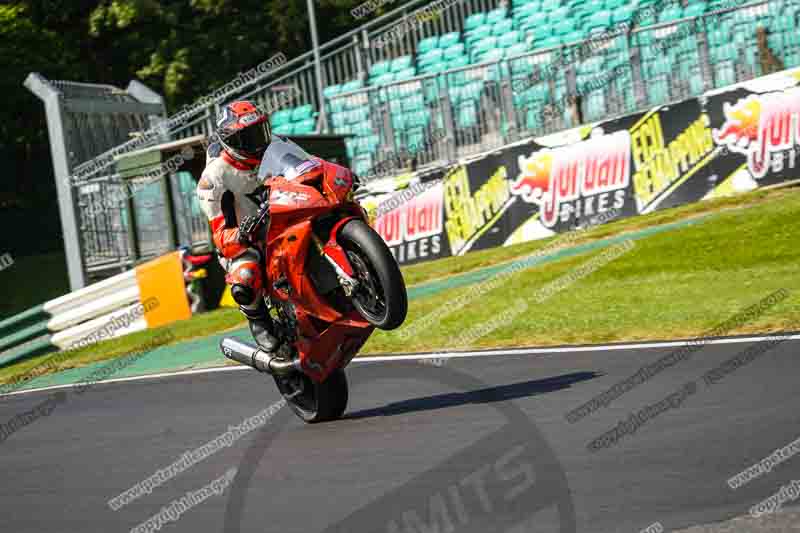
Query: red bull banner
{"type": "Point", "coordinates": [726, 141]}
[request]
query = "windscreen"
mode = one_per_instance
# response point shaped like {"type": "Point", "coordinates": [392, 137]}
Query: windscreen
{"type": "Point", "coordinates": [281, 158]}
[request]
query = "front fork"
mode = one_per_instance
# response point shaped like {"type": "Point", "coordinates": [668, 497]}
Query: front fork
{"type": "Point", "coordinates": [347, 281]}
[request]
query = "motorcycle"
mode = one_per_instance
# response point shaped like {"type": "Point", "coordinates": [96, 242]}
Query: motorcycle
{"type": "Point", "coordinates": [332, 281]}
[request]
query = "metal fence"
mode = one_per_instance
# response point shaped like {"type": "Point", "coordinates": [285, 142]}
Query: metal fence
{"type": "Point", "coordinates": [85, 120]}
{"type": "Point", "coordinates": [484, 106]}
{"type": "Point", "coordinates": [347, 57]}
{"type": "Point", "coordinates": [446, 115]}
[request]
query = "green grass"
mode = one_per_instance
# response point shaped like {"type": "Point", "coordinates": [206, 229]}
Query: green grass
{"type": "Point", "coordinates": [422, 272]}
{"type": "Point", "coordinates": [678, 283]}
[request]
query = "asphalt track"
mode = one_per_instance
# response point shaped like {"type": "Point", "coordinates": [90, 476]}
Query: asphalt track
{"type": "Point", "coordinates": [476, 444]}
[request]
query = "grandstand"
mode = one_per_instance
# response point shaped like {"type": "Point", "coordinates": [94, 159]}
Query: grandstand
{"type": "Point", "coordinates": [618, 57]}
{"type": "Point", "coordinates": [425, 88]}
{"type": "Point", "coordinates": [488, 72]}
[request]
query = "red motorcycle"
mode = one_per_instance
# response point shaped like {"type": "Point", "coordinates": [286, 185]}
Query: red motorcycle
{"type": "Point", "coordinates": [332, 281]}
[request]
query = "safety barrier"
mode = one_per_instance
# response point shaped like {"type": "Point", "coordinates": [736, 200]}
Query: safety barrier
{"type": "Point", "coordinates": [151, 295]}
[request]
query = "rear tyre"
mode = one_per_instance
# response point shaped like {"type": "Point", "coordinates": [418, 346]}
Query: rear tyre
{"type": "Point", "coordinates": [315, 402]}
{"type": "Point", "coordinates": [381, 296]}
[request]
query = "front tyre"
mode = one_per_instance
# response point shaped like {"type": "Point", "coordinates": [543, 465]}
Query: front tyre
{"type": "Point", "coordinates": [381, 294]}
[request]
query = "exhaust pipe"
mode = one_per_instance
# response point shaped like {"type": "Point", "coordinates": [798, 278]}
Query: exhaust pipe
{"type": "Point", "coordinates": [255, 357]}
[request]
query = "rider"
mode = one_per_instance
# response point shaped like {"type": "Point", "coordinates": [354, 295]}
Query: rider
{"type": "Point", "coordinates": [230, 194]}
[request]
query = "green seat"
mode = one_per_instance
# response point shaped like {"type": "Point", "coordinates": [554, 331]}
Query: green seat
{"type": "Point", "coordinates": [455, 94]}
{"type": "Point", "coordinates": [519, 49]}
{"type": "Point", "coordinates": [525, 11]}
{"type": "Point", "coordinates": [495, 15]}
{"type": "Point", "coordinates": [542, 31]}
{"type": "Point", "coordinates": [402, 63]}
{"type": "Point", "coordinates": [596, 105]}
{"type": "Point", "coordinates": [549, 5]}
{"type": "Point", "coordinates": [413, 102]}
{"type": "Point", "coordinates": [533, 118]}
{"type": "Point", "coordinates": [331, 90]}
{"type": "Point", "coordinates": [467, 114]}
{"type": "Point", "coordinates": [481, 32]}
{"type": "Point", "coordinates": [482, 46]}
{"type": "Point", "coordinates": [432, 56]}
{"type": "Point", "coordinates": [362, 128]}
{"type": "Point", "coordinates": [454, 51]}
{"type": "Point", "coordinates": [573, 37]}
{"type": "Point", "coordinates": [591, 66]}
{"type": "Point", "coordinates": [428, 44]}
{"type": "Point", "coordinates": [474, 20]}
{"type": "Point", "coordinates": [594, 6]}
{"type": "Point", "coordinates": [622, 14]}
{"type": "Point", "coordinates": [657, 91]}
{"type": "Point", "coordinates": [379, 69]}
{"type": "Point", "coordinates": [383, 79]}
{"type": "Point", "coordinates": [598, 22]}
{"type": "Point", "coordinates": [339, 119]}
{"type": "Point", "coordinates": [398, 120]}
{"type": "Point", "coordinates": [563, 27]}
{"type": "Point", "coordinates": [670, 14]}
{"type": "Point", "coordinates": [405, 74]}
{"type": "Point", "coordinates": [357, 115]}
{"type": "Point", "coordinates": [302, 112]}
{"type": "Point", "coordinates": [547, 43]}
{"type": "Point", "coordinates": [279, 118]}
{"type": "Point", "coordinates": [304, 127]}
{"type": "Point", "coordinates": [437, 66]}
{"type": "Point", "coordinates": [283, 129]}
{"type": "Point", "coordinates": [449, 39]}
{"type": "Point", "coordinates": [694, 10]}
{"type": "Point", "coordinates": [495, 54]}
{"type": "Point", "coordinates": [557, 15]}
{"type": "Point", "coordinates": [614, 4]}
{"type": "Point", "coordinates": [419, 118]}
{"type": "Point", "coordinates": [352, 85]}
{"type": "Point", "coordinates": [509, 39]}
{"type": "Point", "coordinates": [336, 105]}
{"type": "Point", "coordinates": [458, 62]}
{"type": "Point", "coordinates": [472, 90]}
{"type": "Point", "coordinates": [502, 27]}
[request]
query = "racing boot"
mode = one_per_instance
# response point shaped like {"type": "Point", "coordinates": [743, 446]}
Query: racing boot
{"type": "Point", "coordinates": [261, 327]}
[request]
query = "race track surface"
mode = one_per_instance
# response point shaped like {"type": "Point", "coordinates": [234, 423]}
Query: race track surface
{"type": "Point", "coordinates": [464, 444]}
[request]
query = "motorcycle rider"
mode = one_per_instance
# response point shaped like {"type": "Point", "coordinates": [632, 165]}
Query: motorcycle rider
{"type": "Point", "coordinates": [230, 193]}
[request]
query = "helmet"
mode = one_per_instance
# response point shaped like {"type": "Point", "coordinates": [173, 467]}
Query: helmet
{"type": "Point", "coordinates": [243, 131]}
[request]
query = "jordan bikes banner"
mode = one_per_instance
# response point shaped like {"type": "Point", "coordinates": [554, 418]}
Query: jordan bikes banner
{"type": "Point", "coordinates": [729, 140]}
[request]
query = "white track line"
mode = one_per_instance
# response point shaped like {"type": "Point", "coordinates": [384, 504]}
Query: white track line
{"type": "Point", "coordinates": [435, 355]}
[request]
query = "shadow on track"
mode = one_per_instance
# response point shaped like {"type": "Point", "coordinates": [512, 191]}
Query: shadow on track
{"type": "Point", "coordinates": [499, 393]}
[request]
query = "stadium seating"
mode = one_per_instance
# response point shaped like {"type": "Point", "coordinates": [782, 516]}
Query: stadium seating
{"type": "Point", "coordinates": [301, 120]}
{"type": "Point", "coordinates": [498, 44]}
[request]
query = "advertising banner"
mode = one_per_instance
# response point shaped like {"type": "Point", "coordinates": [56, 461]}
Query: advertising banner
{"type": "Point", "coordinates": [726, 141]}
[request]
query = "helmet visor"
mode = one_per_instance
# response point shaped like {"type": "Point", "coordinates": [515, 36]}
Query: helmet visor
{"type": "Point", "coordinates": [252, 139]}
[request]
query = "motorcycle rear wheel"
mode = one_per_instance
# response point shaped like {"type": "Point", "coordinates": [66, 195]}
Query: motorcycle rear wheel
{"type": "Point", "coordinates": [315, 402]}
{"type": "Point", "coordinates": [381, 295]}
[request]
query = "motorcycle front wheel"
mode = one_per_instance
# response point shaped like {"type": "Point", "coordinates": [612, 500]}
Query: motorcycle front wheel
{"type": "Point", "coordinates": [315, 402]}
{"type": "Point", "coordinates": [381, 293]}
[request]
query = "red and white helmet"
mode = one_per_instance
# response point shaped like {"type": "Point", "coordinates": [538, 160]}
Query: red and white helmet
{"type": "Point", "coordinates": [243, 131]}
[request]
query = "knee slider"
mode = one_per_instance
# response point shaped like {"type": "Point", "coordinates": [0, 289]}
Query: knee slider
{"type": "Point", "coordinates": [242, 294]}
